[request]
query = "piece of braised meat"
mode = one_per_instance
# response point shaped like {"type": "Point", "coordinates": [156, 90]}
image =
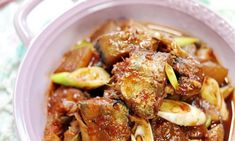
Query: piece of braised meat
{"type": "Point", "coordinates": [72, 132]}
{"type": "Point", "coordinates": [216, 71]}
{"type": "Point", "coordinates": [64, 100]}
{"type": "Point", "coordinates": [111, 93]}
{"type": "Point", "coordinates": [141, 80]}
{"type": "Point", "coordinates": [76, 58]}
{"type": "Point", "coordinates": [167, 131]}
{"type": "Point", "coordinates": [61, 103]}
{"type": "Point", "coordinates": [196, 132]}
{"type": "Point", "coordinates": [115, 46]}
{"type": "Point", "coordinates": [106, 119]}
{"type": "Point", "coordinates": [190, 74]}
{"type": "Point", "coordinates": [107, 27]}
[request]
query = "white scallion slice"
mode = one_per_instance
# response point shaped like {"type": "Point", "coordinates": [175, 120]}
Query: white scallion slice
{"type": "Point", "coordinates": [211, 92]}
{"type": "Point", "coordinates": [181, 113]}
{"type": "Point", "coordinates": [87, 78]}
{"type": "Point", "coordinates": [143, 130]}
{"type": "Point", "coordinates": [171, 76]}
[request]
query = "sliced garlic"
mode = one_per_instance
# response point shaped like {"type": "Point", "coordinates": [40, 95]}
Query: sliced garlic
{"type": "Point", "coordinates": [143, 130]}
{"type": "Point", "coordinates": [181, 113]}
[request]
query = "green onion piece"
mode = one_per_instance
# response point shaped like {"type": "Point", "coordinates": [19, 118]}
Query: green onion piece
{"type": "Point", "coordinates": [86, 78]}
{"type": "Point", "coordinates": [208, 121]}
{"type": "Point", "coordinates": [133, 137]}
{"type": "Point", "coordinates": [63, 78]}
{"type": "Point", "coordinates": [142, 130]}
{"type": "Point", "coordinates": [183, 41]}
{"type": "Point", "coordinates": [171, 76]}
{"type": "Point", "coordinates": [181, 113]}
{"type": "Point", "coordinates": [210, 92]}
{"type": "Point", "coordinates": [83, 43]}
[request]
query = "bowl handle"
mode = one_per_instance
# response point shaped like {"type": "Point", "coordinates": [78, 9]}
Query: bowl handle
{"type": "Point", "coordinates": [20, 21]}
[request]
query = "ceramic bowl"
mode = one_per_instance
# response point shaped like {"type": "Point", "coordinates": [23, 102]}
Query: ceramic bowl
{"type": "Point", "coordinates": [47, 48]}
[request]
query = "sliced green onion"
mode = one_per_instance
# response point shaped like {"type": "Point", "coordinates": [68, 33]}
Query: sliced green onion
{"type": "Point", "coordinates": [143, 130]}
{"type": "Point", "coordinates": [181, 113]}
{"type": "Point", "coordinates": [208, 121]}
{"type": "Point", "coordinates": [87, 78]}
{"type": "Point", "coordinates": [83, 128]}
{"type": "Point", "coordinates": [83, 43]}
{"type": "Point", "coordinates": [183, 41]}
{"type": "Point", "coordinates": [210, 92]}
{"type": "Point", "coordinates": [171, 76]}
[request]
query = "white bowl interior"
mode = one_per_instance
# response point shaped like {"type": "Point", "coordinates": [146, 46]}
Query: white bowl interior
{"type": "Point", "coordinates": [49, 47]}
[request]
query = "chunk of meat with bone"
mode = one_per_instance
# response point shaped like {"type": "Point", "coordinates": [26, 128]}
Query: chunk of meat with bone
{"type": "Point", "coordinates": [167, 131]}
{"type": "Point", "coordinates": [191, 76]}
{"type": "Point", "coordinates": [107, 27]}
{"type": "Point", "coordinates": [114, 46]}
{"type": "Point", "coordinates": [216, 71]}
{"type": "Point", "coordinates": [105, 119]}
{"type": "Point", "coordinates": [54, 127]}
{"type": "Point", "coordinates": [141, 80]}
{"type": "Point", "coordinates": [64, 100]}
{"type": "Point", "coordinates": [77, 57]}
{"type": "Point", "coordinates": [72, 132]}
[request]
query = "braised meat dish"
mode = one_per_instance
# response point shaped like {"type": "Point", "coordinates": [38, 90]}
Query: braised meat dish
{"type": "Point", "coordinates": [137, 81]}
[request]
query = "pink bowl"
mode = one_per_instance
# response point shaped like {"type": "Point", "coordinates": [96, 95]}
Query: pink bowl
{"type": "Point", "coordinates": [47, 48]}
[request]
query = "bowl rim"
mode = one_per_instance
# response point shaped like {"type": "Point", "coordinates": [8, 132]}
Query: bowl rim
{"type": "Point", "coordinates": [212, 20]}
